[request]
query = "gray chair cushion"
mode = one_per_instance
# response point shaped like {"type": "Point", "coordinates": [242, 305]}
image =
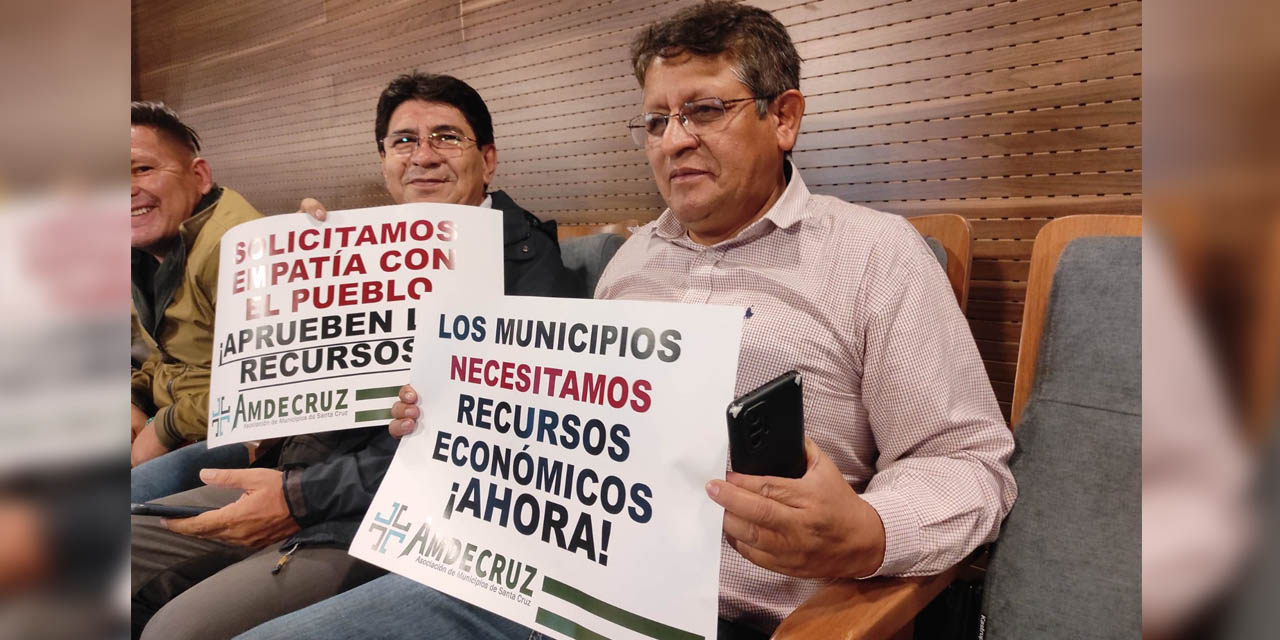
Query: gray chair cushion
{"type": "Point", "coordinates": [938, 250]}
{"type": "Point", "coordinates": [587, 256]}
{"type": "Point", "coordinates": [1068, 561]}
{"type": "Point", "coordinates": [1091, 354]}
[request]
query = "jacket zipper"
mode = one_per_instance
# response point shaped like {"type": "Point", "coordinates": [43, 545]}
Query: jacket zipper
{"type": "Point", "coordinates": [169, 418]}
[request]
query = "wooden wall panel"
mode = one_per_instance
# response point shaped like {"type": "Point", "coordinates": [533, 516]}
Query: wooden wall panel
{"type": "Point", "coordinates": [1009, 112]}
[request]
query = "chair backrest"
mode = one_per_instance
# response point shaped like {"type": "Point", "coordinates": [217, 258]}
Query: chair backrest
{"type": "Point", "coordinates": [579, 229]}
{"type": "Point", "coordinates": [1262, 376]}
{"type": "Point", "coordinates": [951, 238]}
{"type": "Point", "coordinates": [1068, 561]}
{"type": "Point", "coordinates": [1049, 244]}
{"type": "Point", "coordinates": [586, 257]}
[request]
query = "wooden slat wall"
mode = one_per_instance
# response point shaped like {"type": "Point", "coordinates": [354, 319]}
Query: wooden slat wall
{"type": "Point", "coordinates": [1009, 112]}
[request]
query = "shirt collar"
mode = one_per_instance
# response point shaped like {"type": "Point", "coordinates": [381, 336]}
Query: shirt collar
{"type": "Point", "coordinates": [785, 212]}
{"type": "Point", "coordinates": [190, 228]}
{"type": "Point", "coordinates": [488, 201]}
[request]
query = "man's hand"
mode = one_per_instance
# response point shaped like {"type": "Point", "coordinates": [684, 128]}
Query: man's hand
{"type": "Point", "coordinates": [137, 420]}
{"type": "Point", "coordinates": [404, 413]}
{"type": "Point", "coordinates": [259, 517]}
{"type": "Point", "coordinates": [313, 208]}
{"type": "Point", "coordinates": [146, 446]}
{"type": "Point", "coordinates": [815, 526]}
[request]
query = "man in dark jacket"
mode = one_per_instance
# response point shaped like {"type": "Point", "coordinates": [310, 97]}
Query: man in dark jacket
{"type": "Point", "coordinates": [223, 572]}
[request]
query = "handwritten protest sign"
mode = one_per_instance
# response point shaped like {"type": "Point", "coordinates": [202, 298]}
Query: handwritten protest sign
{"type": "Point", "coordinates": [315, 321]}
{"type": "Point", "coordinates": [557, 474]}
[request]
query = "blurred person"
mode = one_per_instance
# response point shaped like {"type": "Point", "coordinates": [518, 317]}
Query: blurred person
{"type": "Point", "coordinates": [63, 536]}
{"type": "Point", "coordinates": [177, 218]}
{"type": "Point", "coordinates": [62, 446]}
{"type": "Point", "coordinates": [222, 572]}
{"type": "Point", "coordinates": [1196, 509]}
{"type": "Point", "coordinates": [908, 452]}
{"type": "Point", "coordinates": [1210, 161]}
{"type": "Point", "coordinates": [61, 486]}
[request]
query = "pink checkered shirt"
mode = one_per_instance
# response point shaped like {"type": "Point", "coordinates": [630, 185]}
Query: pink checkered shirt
{"type": "Point", "coordinates": [894, 390]}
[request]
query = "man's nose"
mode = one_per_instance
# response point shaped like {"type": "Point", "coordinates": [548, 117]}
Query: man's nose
{"type": "Point", "coordinates": [676, 139]}
{"type": "Point", "coordinates": [425, 155]}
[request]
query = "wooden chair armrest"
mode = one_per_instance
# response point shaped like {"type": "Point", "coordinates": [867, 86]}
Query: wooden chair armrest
{"type": "Point", "coordinates": [863, 609]}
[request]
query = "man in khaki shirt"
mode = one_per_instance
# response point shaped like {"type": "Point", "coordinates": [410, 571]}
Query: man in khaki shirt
{"type": "Point", "coordinates": [177, 218]}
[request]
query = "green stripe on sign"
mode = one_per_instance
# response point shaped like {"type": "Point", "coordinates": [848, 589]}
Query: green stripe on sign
{"type": "Point", "coordinates": [373, 414]}
{"type": "Point", "coordinates": [377, 392]}
{"type": "Point", "coordinates": [639, 624]}
{"type": "Point", "coordinates": [566, 626]}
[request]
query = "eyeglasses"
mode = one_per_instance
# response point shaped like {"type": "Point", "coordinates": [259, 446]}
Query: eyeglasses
{"type": "Point", "coordinates": [446, 142]}
{"type": "Point", "coordinates": [695, 116]}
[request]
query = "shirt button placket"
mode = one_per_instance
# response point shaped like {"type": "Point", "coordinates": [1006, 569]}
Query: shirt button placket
{"type": "Point", "coordinates": [700, 272]}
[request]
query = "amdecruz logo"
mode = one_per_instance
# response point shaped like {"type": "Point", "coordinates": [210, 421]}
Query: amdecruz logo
{"type": "Point", "coordinates": [221, 415]}
{"type": "Point", "coordinates": [484, 568]}
{"type": "Point", "coordinates": [389, 527]}
{"type": "Point", "coordinates": [302, 406]}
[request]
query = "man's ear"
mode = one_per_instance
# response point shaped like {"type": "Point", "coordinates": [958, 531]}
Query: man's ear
{"type": "Point", "coordinates": [490, 154]}
{"type": "Point", "coordinates": [204, 174]}
{"type": "Point", "coordinates": [788, 109]}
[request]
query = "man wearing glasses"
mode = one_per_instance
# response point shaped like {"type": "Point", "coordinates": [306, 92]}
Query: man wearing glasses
{"type": "Point", "coordinates": [278, 540]}
{"type": "Point", "coordinates": [907, 450]}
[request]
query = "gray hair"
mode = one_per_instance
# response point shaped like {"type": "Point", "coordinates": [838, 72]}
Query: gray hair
{"type": "Point", "coordinates": [764, 58]}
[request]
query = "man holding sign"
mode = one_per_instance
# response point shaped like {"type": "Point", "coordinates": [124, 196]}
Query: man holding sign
{"type": "Point", "coordinates": [222, 572]}
{"type": "Point", "coordinates": [907, 451]}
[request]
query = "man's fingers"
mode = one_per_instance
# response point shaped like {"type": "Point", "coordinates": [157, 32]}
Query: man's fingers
{"type": "Point", "coordinates": [224, 478]}
{"type": "Point", "coordinates": [754, 555]}
{"type": "Point", "coordinates": [814, 456]}
{"type": "Point", "coordinates": [402, 410]}
{"type": "Point", "coordinates": [313, 208]}
{"type": "Point", "coordinates": [772, 487]}
{"type": "Point", "coordinates": [402, 428]}
{"type": "Point", "coordinates": [405, 412]}
{"type": "Point", "coordinates": [785, 563]}
{"type": "Point", "coordinates": [201, 525]}
{"type": "Point", "coordinates": [408, 395]}
{"type": "Point", "coordinates": [749, 532]}
{"type": "Point", "coordinates": [746, 504]}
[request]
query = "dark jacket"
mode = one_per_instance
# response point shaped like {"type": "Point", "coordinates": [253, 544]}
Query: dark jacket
{"type": "Point", "coordinates": [330, 478]}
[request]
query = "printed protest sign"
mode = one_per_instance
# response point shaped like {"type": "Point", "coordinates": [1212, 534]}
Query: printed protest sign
{"type": "Point", "coordinates": [557, 474]}
{"type": "Point", "coordinates": [315, 321]}
{"type": "Point", "coordinates": [60, 266]}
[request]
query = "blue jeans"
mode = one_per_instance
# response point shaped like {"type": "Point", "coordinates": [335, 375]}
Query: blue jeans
{"type": "Point", "coordinates": [391, 607]}
{"type": "Point", "coordinates": [395, 607]}
{"type": "Point", "coordinates": [179, 469]}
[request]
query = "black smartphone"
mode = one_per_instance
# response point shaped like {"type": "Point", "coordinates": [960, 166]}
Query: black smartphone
{"type": "Point", "coordinates": [766, 429]}
{"type": "Point", "coordinates": [166, 510]}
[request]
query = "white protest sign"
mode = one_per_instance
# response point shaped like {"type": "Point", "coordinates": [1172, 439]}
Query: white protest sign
{"type": "Point", "coordinates": [315, 321]}
{"type": "Point", "coordinates": [557, 474]}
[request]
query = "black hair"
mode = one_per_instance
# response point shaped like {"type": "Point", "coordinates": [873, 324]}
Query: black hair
{"type": "Point", "coordinates": [431, 87]}
{"type": "Point", "coordinates": [164, 120]}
